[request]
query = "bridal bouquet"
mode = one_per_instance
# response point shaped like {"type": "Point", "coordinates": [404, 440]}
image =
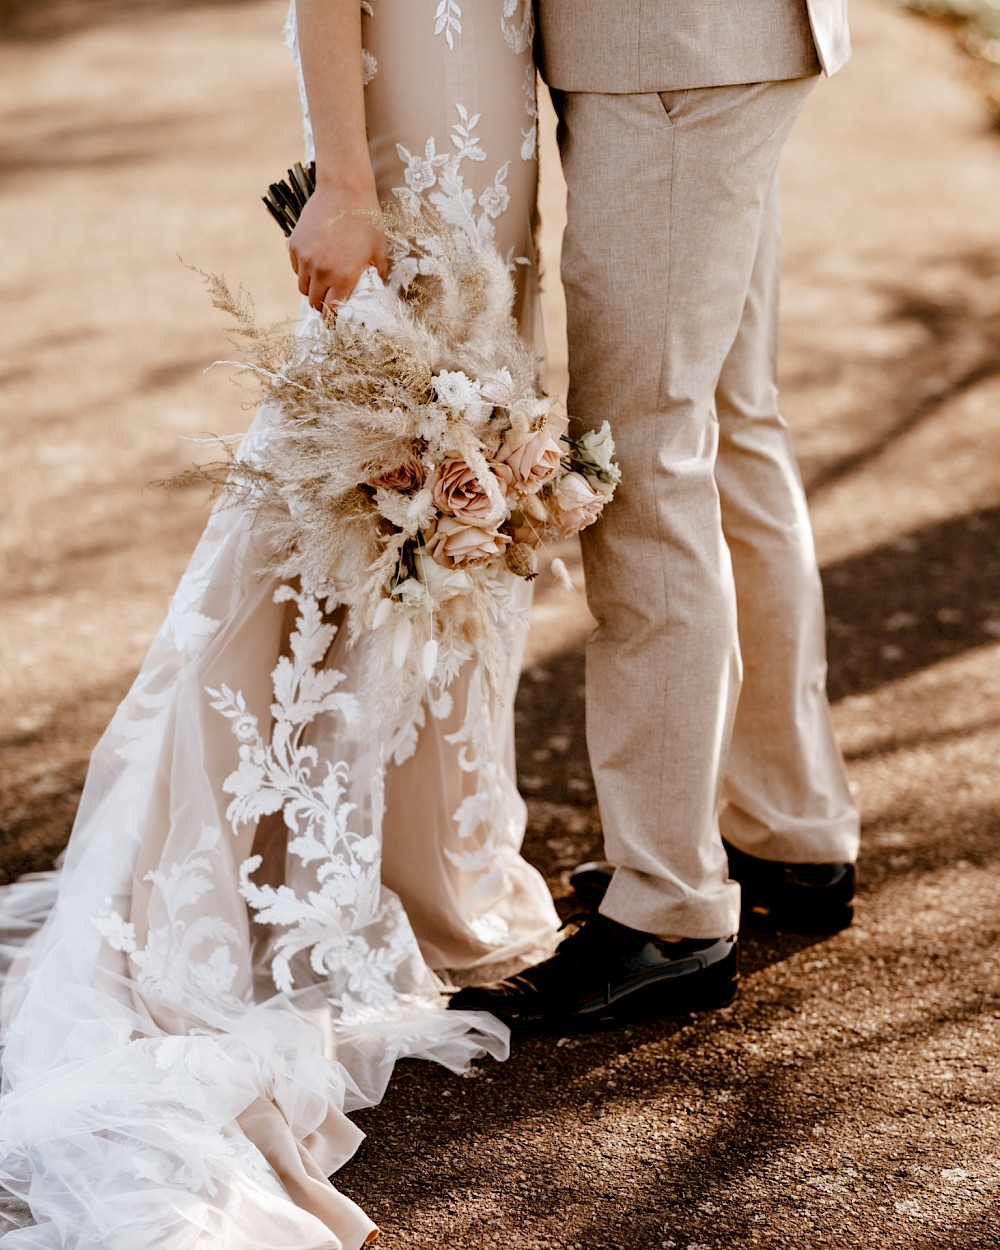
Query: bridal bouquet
{"type": "Point", "coordinates": [411, 462]}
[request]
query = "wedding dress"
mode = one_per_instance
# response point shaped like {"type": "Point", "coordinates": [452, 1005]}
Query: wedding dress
{"type": "Point", "coordinates": [239, 943]}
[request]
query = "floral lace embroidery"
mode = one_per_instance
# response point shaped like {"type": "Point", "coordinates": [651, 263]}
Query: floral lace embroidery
{"type": "Point", "coordinates": [191, 957]}
{"type": "Point", "coordinates": [330, 922]}
{"type": "Point", "coordinates": [481, 812]}
{"type": "Point", "coordinates": [274, 776]}
{"type": "Point", "coordinates": [530, 145]}
{"type": "Point", "coordinates": [443, 172]}
{"type": "Point", "coordinates": [358, 939]}
{"type": "Point", "coordinates": [189, 629]}
{"type": "Point", "coordinates": [193, 1175]}
{"type": "Point", "coordinates": [448, 21]}
{"type": "Point", "coordinates": [369, 67]}
{"type": "Point", "coordinates": [517, 23]}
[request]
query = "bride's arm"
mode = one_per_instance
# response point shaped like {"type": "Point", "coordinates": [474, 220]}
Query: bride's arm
{"type": "Point", "coordinates": [328, 250]}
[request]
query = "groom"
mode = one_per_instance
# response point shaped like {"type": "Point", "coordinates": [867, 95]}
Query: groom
{"type": "Point", "coordinates": [702, 574]}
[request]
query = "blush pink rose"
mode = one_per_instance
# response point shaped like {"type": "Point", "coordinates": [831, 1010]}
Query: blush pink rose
{"type": "Point", "coordinates": [523, 529]}
{"type": "Point", "coordinates": [457, 545]}
{"type": "Point", "coordinates": [530, 458]}
{"type": "Point", "coordinates": [408, 475]}
{"type": "Point", "coordinates": [577, 504]}
{"type": "Point", "coordinates": [457, 492]}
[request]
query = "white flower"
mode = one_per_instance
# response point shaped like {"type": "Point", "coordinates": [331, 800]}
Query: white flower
{"type": "Point", "coordinates": [498, 388]}
{"type": "Point", "coordinates": [457, 390]}
{"type": "Point", "coordinates": [413, 596]}
{"type": "Point", "coordinates": [442, 584]}
{"type": "Point", "coordinates": [115, 929]}
{"type": "Point", "coordinates": [496, 199]}
{"type": "Point", "coordinates": [419, 175]}
{"type": "Point", "coordinates": [420, 172]}
{"type": "Point", "coordinates": [599, 444]}
{"type": "Point", "coordinates": [369, 67]}
{"type": "Point", "coordinates": [245, 727]}
{"type": "Point", "coordinates": [526, 411]}
{"type": "Point", "coordinates": [594, 454]}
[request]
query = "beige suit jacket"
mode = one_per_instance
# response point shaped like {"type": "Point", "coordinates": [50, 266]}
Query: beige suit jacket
{"type": "Point", "coordinates": [668, 45]}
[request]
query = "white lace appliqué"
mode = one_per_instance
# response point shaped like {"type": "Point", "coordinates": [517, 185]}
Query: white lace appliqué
{"type": "Point", "coordinates": [357, 936]}
{"type": "Point", "coordinates": [438, 175]}
{"type": "Point", "coordinates": [517, 23]}
{"type": "Point", "coordinates": [280, 775]}
{"type": "Point", "coordinates": [448, 21]}
{"type": "Point", "coordinates": [275, 776]}
{"type": "Point", "coordinates": [530, 136]}
{"type": "Point", "coordinates": [191, 956]}
{"type": "Point", "coordinates": [189, 629]}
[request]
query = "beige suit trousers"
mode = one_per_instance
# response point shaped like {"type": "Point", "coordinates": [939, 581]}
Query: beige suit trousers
{"type": "Point", "coordinates": [670, 263]}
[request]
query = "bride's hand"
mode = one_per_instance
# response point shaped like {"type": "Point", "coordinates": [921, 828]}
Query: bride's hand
{"type": "Point", "coordinates": [334, 242]}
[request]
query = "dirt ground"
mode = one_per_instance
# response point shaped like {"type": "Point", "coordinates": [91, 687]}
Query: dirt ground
{"type": "Point", "coordinates": [849, 1096]}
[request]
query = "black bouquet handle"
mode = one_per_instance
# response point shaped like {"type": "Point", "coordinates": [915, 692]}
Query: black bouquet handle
{"type": "Point", "coordinates": [285, 200]}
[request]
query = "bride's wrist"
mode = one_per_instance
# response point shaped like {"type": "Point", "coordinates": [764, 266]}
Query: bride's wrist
{"type": "Point", "coordinates": [356, 186]}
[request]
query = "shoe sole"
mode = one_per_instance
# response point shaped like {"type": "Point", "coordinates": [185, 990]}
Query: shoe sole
{"type": "Point", "coordinates": [782, 918]}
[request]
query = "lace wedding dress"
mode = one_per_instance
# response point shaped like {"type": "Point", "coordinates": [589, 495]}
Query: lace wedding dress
{"type": "Point", "coordinates": [239, 944]}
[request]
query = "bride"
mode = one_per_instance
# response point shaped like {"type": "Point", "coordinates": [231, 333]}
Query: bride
{"type": "Point", "coordinates": [258, 912]}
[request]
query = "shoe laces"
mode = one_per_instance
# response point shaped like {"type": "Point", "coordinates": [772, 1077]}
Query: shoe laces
{"type": "Point", "coordinates": [578, 918]}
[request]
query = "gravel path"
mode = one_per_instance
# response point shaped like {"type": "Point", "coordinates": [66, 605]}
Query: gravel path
{"type": "Point", "coordinates": [848, 1098]}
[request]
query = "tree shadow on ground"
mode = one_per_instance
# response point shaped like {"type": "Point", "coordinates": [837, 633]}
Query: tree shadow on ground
{"type": "Point", "coordinates": [45, 768]}
{"type": "Point", "coordinates": [910, 604]}
{"type": "Point", "coordinates": [40, 21]}
{"type": "Point", "coordinates": [944, 324]}
{"type": "Point", "coordinates": [43, 141]}
{"type": "Point", "coordinates": [750, 1106]}
{"type": "Point", "coordinates": [778, 1112]}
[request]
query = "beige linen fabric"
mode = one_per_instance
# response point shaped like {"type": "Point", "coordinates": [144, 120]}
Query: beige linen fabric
{"type": "Point", "coordinates": [671, 292]}
{"type": "Point", "coordinates": [784, 786]}
{"type": "Point", "coordinates": [666, 45]}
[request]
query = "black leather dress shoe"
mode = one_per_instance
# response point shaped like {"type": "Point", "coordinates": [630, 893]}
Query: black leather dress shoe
{"type": "Point", "coordinates": [799, 898]}
{"type": "Point", "coordinates": [605, 974]}
{"type": "Point", "coordinates": [590, 882]}
{"type": "Point", "coordinates": [803, 898]}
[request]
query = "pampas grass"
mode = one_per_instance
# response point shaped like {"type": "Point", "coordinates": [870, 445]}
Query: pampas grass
{"type": "Point", "coordinates": [404, 380]}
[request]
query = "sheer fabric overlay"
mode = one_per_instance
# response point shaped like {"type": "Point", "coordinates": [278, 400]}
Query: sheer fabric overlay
{"type": "Point", "coordinates": [239, 943]}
